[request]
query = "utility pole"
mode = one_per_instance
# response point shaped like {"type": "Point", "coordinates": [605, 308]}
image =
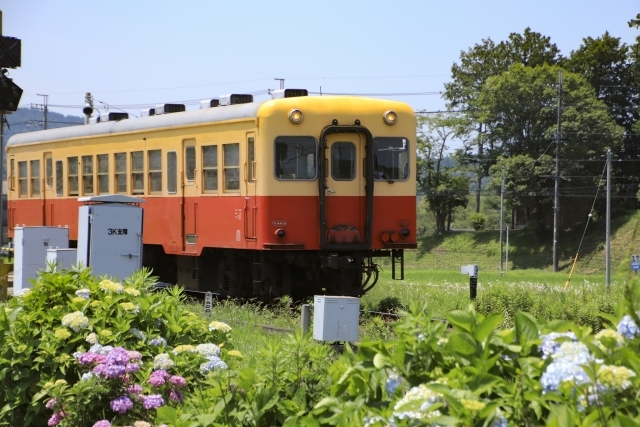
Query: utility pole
{"type": "Point", "coordinates": [501, 219]}
{"type": "Point", "coordinates": [282, 83]}
{"type": "Point", "coordinates": [479, 178]}
{"type": "Point", "coordinates": [608, 232]}
{"type": "Point", "coordinates": [556, 199]}
{"type": "Point", "coordinates": [45, 107]}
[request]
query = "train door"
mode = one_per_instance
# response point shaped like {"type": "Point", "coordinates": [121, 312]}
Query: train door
{"type": "Point", "coordinates": [48, 190]}
{"type": "Point", "coordinates": [345, 201]}
{"type": "Point", "coordinates": [251, 208]}
{"type": "Point", "coordinates": [189, 197]}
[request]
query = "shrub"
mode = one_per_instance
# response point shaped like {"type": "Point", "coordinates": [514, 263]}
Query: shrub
{"type": "Point", "coordinates": [44, 331]}
{"type": "Point", "coordinates": [477, 221]}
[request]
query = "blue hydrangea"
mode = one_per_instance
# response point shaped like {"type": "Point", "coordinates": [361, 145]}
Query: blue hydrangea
{"type": "Point", "coordinates": [393, 381]}
{"type": "Point", "coordinates": [628, 328]}
{"type": "Point", "coordinates": [213, 364]}
{"type": "Point", "coordinates": [159, 341]}
{"type": "Point", "coordinates": [549, 344]}
{"type": "Point", "coordinates": [138, 334]}
{"type": "Point", "coordinates": [566, 366]}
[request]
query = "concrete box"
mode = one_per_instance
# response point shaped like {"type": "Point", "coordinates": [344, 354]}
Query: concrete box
{"type": "Point", "coordinates": [335, 318]}
{"type": "Point", "coordinates": [62, 258]}
{"type": "Point", "coordinates": [30, 251]}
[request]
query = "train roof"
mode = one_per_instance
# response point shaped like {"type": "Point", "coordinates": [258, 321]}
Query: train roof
{"type": "Point", "coordinates": [192, 117]}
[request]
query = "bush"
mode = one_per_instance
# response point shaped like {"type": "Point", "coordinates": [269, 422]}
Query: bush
{"type": "Point", "coordinates": [68, 315]}
{"type": "Point", "coordinates": [477, 221]}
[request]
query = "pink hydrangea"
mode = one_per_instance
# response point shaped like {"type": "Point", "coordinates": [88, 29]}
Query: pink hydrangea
{"type": "Point", "coordinates": [178, 381]}
{"type": "Point", "coordinates": [51, 403]}
{"type": "Point", "coordinates": [56, 418]}
{"type": "Point", "coordinates": [102, 423]}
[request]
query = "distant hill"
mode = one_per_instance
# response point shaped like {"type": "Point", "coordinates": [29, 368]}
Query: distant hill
{"type": "Point", "coordinates": [31, 119]}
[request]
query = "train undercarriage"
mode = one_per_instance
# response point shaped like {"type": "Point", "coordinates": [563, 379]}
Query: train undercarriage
{"type": "Point", "coordinates": [269, 274]}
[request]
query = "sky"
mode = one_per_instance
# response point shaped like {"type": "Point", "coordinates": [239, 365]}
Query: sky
{"type": "Point", "coordinates": [133, 54]}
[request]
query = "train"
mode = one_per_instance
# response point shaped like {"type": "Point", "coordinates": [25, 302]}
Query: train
{"type": "Point", "coordinates": [296, 195]}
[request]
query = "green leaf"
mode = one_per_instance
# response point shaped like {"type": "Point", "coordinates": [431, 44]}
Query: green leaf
{"type": "Point", "coordinates": [482, 382]}
{"type": "Point", "coordinates": [462, 319]}
{"type": "Point", "coordinates": [526, 328]}
{"type": "Point", "coordinates": [166, 415]}
{"type": "Point", "coordinates": [488, 325]}
{"type": "Point", "coordinates": [381, 361]}
{"type": "Point", "coordinates": [462, 343]}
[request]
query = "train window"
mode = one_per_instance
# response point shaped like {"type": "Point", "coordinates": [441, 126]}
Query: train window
{"type": "Point", "coordinates": [35, 177]}
{"type": "Point", "coordinates": [23, 184]}
{"type": "Point", "coordinates": [155, 171]}
{"type": "Point", "coordinates": [59, 177]}
{"type": "Point", "coordinates": [390, 159]}
{"type": "Point", "coordinates": [231, 167]}
{"type": "Point", "coordinates": [87, 175]}
{"type": "Point", "coordinates": [190, 163]}
{"type": "Point", "coordinates": [343, 161]}
{"type": "Point", "coordinates": [210, 168]}
{"type": "Point", "coordinates": [251, 159]}
{"type": "Point", "coordinates": [137, 172]}
{"type": "Point", "coordinates": [13, 175]}
{"type": "Point", "coordinates": [72, 173]}
{"type": "Point", "coordinates": [172, 172]}
{"type": "Point", "coordinates": [103, 173]}
{"type": "Point", "coordinates": [121, 173]}
{"type": "Point", "coordinates": [49, 171]}
{"type": "Point", "coordinates": [295, 157]}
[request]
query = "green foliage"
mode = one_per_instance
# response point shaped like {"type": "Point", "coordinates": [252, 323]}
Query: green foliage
{"type": "Point", "coordinates": [41, 330]}
{"type": "Point", "coordinates": [477, 221]}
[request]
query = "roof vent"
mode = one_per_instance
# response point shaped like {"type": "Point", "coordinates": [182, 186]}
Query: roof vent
{"type": "Point", "coordinates": [148, 112]}
{"type": "Point", "coordinates": [208, 103]}
{"type": "Point", "coordinates": [113, 117]}
{"type": "Point", "coordinates": [169, 108]}
{"type": "Point", "coordinates": [235, 98]}
{"type": "Point", "coordinates": [288, 93]}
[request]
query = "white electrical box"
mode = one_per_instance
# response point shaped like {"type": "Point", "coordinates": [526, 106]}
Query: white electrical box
{"type": "Point", "coordinates": [335, 318]}
{"type": "Point", "coordinates": [30, 251]}
{"type": "Point", "coordinates": [110, 235]}
{"type": "Point", "coordinates": [471, 270]}
{"type": "Point", "coordinates": [62, 258]}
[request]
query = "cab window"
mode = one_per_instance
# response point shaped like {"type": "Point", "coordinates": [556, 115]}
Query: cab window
{"type": "Point", "coordinates": [295, 158]}
{"type": "Point", "coordinates": [343, 161]}
{"type": "Point", "coordinates": [390, 159]}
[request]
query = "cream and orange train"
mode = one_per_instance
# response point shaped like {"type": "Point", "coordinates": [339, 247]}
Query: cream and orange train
{"type": "Point", "coordinates": [294, 195]}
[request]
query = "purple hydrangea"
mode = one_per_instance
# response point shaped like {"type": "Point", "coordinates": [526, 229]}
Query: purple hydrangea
{"type": "Point", "coordinates": [134, 355]}
{"type": "Point", "coordinates": [118, 356]}
{"type": "Point", "coordinates": [51, 403]}
{"type": "Point", "coordinates": [156, 381]}
{"type": "Point", "coordinates": [121, 404]}
{"type": "Point", "coordinates": [153, 401]}
{"type": "Point", "coordinates": [102, 423]}
{"type": "Point", "coordinates": [134, 389]}
{"type": "Point", "coordinates": [132, 367]}
{"type": "Point", "coordinates": [175, 395]}
{"type": "Point", "coordinates": [56, 418]}
{"type": "Point", "coordinates": [178, 381]}
{"type": "Point", "coordinates": [87, 358]}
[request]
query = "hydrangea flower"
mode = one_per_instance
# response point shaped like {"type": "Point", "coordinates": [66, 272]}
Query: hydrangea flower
{"type": "Point", "coordinates": [62, 333]}
{"type": "Point", "coordinates": [162, 361]}
{"type": "Point", "coordinates": [109, 286]}
{"type": "Point", "coordinates": [104, 350]}
{"type": "Point", "coordinates": [134, 389]}
{"type": "Point", "coordinates": [219, 326]}
{"type": "Point", "coordinates": [615, 377]}
{"type": "Point", "coordinates": [92, 338]}
{"type": "Point", "coordinates": [153, 401]}
{"type": "Point", "coordinates": [87, 376]}
{"type": "Point", "coordinates": [607, 333]}
{"type": "Point", "coordinates": [472, 404]}
{"type": "Point", "coordinates": [84, 293]}
{"type": "Point", "coordinates": [118, 356]}
{"type": "Point", "coordinates": [420, 394]}
{"type": "Point", "coordinates": [392, 383]}
{"type": "Point", "coordinates": [138, 334]}
{"type": "Point", "coordinates": [175, 396]}
{"type": "Point", "coordinates": [184, 348]}
{"type": "Point", "coordinates": [131, 367]}
{"type": "Point", "coordinates": [566, 366]}
{"type": "Point", "coordinates": [208, 350]}
{"type": "Point", "coordinates": [131, 291]}
{"type": "Point", "coordinates": [78, 300]}
{"type": "Point", "coordinates": [22, 292]}
{"type": "Point", "coordinates": [130, 307]}
{"type": "Point", "coordinates": [51, 403]}
{"type": "Point", "coordinates": [158, 378]}
{"type": "Point", "coordinates": [121, 404]}
{"type": "Point", "coordinates": [213, 363]}
{"type": "Point", "coordinates": [235, 353]}
{"type": "Point", "coordinates": [75, 321]}
{"type": "Point", "coordinates": [134, 355]}
{"type": "Point", "coordinates": [627, 327]}
{"type": "Point", "coordinates": [105, 333]}
{"type": "Point", "coordinates": [549, 344]}
{"type": "Point", "coordinates": [177, 381]}
{"type": "Point", "coordinates": [102, 423]}
{"type": "Point", "coordinates": [159, 341]}
{"type": "Point", "coordinates": [141, 424]}
{"type": "Point", "coordinates": [56, 418]}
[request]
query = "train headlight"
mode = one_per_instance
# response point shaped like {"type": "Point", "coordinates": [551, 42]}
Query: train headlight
{"type": "Point", "coordinates": [296, 116]}
{"type": "Point", "coordinates": [280, 233]}
{"type": "Point", "coordinates": [390, 118]}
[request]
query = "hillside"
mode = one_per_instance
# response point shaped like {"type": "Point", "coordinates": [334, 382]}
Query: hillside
{"type": "Point", "coordinates": [531, 251]}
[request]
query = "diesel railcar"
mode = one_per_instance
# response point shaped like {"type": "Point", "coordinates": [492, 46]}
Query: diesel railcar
{"type": "Point", "coordinates": [295, 195]}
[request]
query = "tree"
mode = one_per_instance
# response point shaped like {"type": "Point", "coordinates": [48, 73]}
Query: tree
{"type": "Point", "coordinates": [520, 113]}
{"type": "Point", "coordinates": [485, 60]}
{"type": "Point", "coordinates": [444, 190]}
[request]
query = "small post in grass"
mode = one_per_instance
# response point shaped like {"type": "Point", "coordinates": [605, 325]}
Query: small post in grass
{"type": "Point", "coordinates": [304, 319]}
{"type": "Point", "coordinates": [208, 304]}
{"type": "Point", "coordinates": [472, 271]}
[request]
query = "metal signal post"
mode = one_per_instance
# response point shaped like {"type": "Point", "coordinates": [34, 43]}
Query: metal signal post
{"type": "Point", "coordinates": [556, 198]}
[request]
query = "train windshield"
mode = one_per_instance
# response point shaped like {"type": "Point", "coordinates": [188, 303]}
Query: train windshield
{"type": "Point", "coordinates": [295, 157]}
{"type": "Point", "coordinates": [391, 159]}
